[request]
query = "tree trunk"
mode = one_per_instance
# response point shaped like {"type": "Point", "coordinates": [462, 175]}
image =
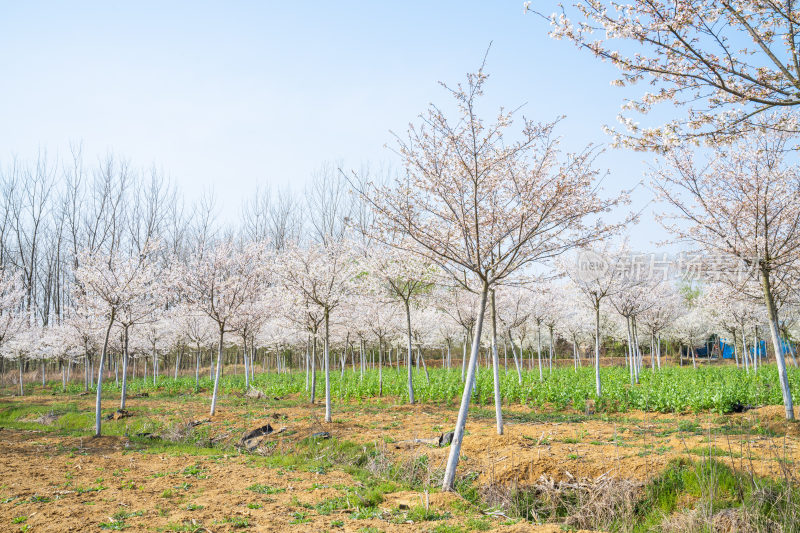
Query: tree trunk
{"type": "Point", "coordinates": [197, 369]}
{"type": "Point", "coordinates": [658, 350]}
{"type": "Point", "coordinates": [745, 355]}
{"type": "Point", "coordinates": [219, 367]}
{"type": "Point", "coordinates": [772, 314]}
{"type": "Point", "coordinates": [313, 366]}
{"type": "Point", "coordinates": [424, 366]}
{"type": "Point", "coordinates": [539, 347]}
{"type": "Point", "coordinates": [464, 357]}
{"type": "Point", "coordinates": [458, 434]}
{"type": "Point", "coordinates": [246, 364]}
{"type": "Point", "coordinates": [380, 367]}
{"type": "Point", "coordinates": [124, 391]}
{"type": "Point", "coordinates": [410, 376]}
{"type": "Point", "coordinates": [98, 398]}
{"type": "Point", "coordinates": [597, 384]}
{"type": "Point", "coordinates": [498, 404]}
{"type": "Point", "coordinates": [514, 356]}
{"type": "Point", "coordinates": [178, 355]}
{"type": "Point", "coordinates": [637, 353]}
{"type": "Point", "coordinates": [327, 367]}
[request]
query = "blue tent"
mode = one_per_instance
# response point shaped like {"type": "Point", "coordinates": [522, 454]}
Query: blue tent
{"type": "Point", "coordinates": [726, 349]}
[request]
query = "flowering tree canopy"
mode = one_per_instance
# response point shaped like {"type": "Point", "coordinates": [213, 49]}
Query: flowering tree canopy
{"type": "Point", "coordinates": [727, 62]}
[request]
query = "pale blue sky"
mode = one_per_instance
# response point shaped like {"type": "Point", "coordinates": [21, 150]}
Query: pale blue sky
{"type": "Point", "coordinates": [230, 95]}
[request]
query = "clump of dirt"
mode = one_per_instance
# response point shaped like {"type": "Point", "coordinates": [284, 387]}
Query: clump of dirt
{"type": "Point", "coordinates": [182, 431]}
{"type": "Point", "coordinates": [119, 414]}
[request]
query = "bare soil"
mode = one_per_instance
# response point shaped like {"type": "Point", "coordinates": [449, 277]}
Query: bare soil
{"type": "Point", "coordinates": [51, 482]}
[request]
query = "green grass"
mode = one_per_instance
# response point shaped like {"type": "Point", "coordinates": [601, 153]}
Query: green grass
{"type": "Point", "coordinates": [265, 489]}
{"type": "Point", "coordinates": [673, 389]}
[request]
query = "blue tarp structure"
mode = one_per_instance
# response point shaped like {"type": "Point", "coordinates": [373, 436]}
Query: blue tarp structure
{"type": "Point", "coordinates": [726, 349]}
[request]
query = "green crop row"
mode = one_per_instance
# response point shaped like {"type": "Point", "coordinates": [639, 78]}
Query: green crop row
{"type": "Point", "coordinates": [672, 389]}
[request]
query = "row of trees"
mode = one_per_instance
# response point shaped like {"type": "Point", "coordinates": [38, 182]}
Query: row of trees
{"type": "Point", "coordinates": [482, 208]}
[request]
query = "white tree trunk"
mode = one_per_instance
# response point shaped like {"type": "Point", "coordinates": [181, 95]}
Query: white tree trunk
{"type": "Point", "coordinates": [458, 434]}
{"type": "Point", "coordinates": [308, 368]}
{"type": "Point", "coordinates": [598, 386]}
{"type": "Point", "coordinates": [197, 369]}
{"type": "Point", "coordinates": [124, 391]}
{"type": "Point", "coordinates": [408, 360]}
{"type": "Point", "coordinates": [98, 398]}
{"type": "Point", "coordinates": [246, 357]}
{"type": "Point", "coordinates": [464, 359]}
{"type": "Point", "coordinates": [514, 355]}
{"type": "Point", "coordinates": [772, 314]}
{"type": "Point", "coordinates": [327, 368]}
{"type": "Point", "coordinates": [498, 404]}
{"type": "Point", "coordinates": [539, 348]}
{"type": "Point", "coordinates": [217, 374]}
{"type": "Point", "coordinates": [380, 366]}
{"type": "Point", "coordinates": [314, 367]}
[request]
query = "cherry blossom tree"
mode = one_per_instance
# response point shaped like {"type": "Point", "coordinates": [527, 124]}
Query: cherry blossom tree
{"type": "Point", "coordinates": [462, 306]}
{"type": "Point", "coordinates": [597, 272]}
{"type": "Point", "coordinates": [739, 204]}
{"type": "Point", "coordinates": [104, 284]}
{"type": "Point", "coordinates": [515, 305]}
{"type": "Point", "coordinates": [86, 326]}
{"type": "Point", "coordinates": [630, 301]}
{"type": "Point", "coordinates": [12, 316]}
{"type": "Point", "coordinates": [689, 328]}
{"type": "Point", "coordinates": [140, 309]}
{"type": "Point", "coordinates": [157, 337]}
{"type": "Point", "coordinates": [304, 315]}
{"type": "Point", "coordinates": [483, 206]}
{"type": "Point", "coordinates": [575, 323]}
{"type": "Point", "coordinates": [246, 322]}
{"type": "Point", "coordinates": [22, 345]}
{"type": "Point", "coordinates": [538, 313]}
{"type": "Point", "coordinates": [220, 281]}
{"type": "Point", "coordinates": [662, 311]}
{"type": "Point", "coordinates": [384, 323]}
{"type": "Point", "coordinates": [323, 275]}
{"type": "Point", "coordinates": [727, 62]}
{"type": "Point", "coordinates": [402, 278]}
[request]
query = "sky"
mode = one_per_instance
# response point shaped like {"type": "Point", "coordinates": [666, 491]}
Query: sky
{"type": "Point", "coordinates": [230, 96]}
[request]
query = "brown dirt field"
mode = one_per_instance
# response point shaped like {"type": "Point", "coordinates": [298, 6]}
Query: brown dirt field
{"type": "Point", "coordinates": [633, 445]}
{"type": "Point", "coordinates": [64, 469]}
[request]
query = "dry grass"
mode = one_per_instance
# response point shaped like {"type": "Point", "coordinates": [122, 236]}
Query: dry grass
{"type": "Point", "coordinates": [583, 504]}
